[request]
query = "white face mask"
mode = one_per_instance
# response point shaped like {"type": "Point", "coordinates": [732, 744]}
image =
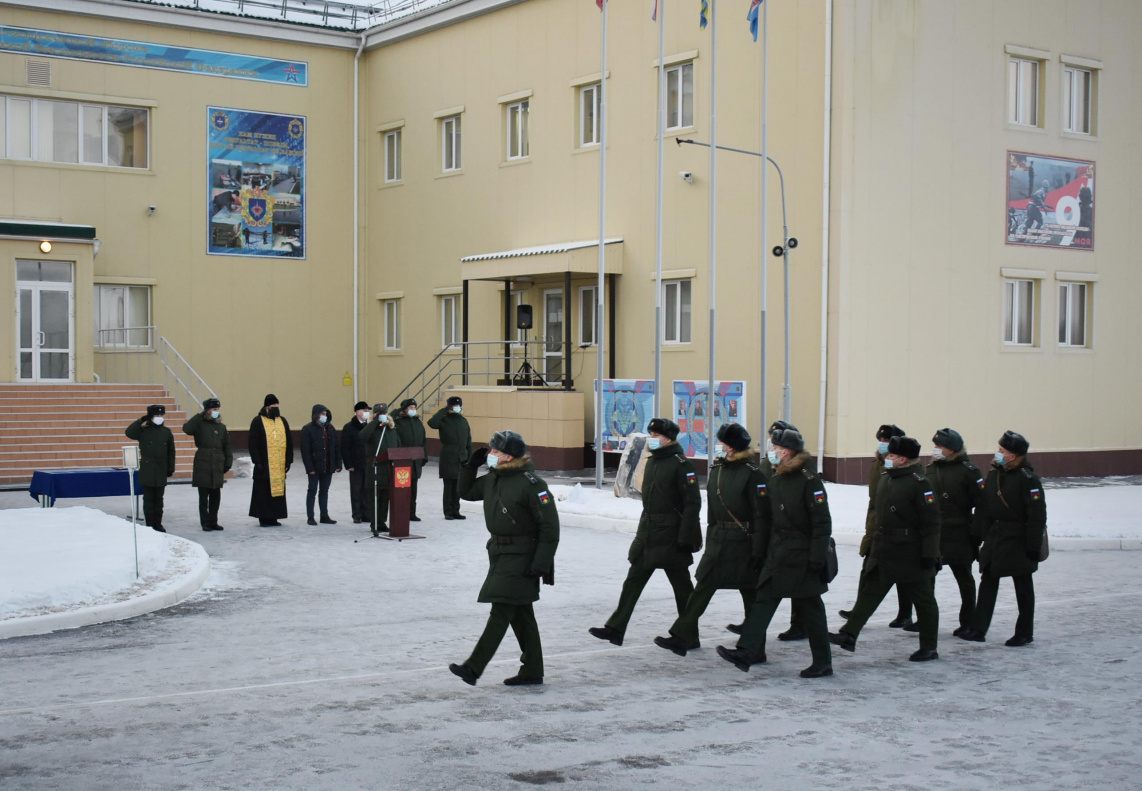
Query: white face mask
{"type": "Point", "coordinates": [323, 419]}
{"type": "Point", "coordinates": [937, 453]}
{"type": "Point", "coordinates": [411, 413]}
{"type": "Point", "coordinates": [456, 409]}
{"type": "Point", "coordinates": [889, 464]}
{"type": "Point", "coordinates": [215, 415]}
{"type": "Point", "coordinates": [158, 420]}
{"type": "Point", "coordinates": [720, 452]}
{"type": "Point", "coordinates": [493, 461]}
{"type": "Point", "coordinates": [772, 455]}
{"type": "Point", "coordinates": [363, 415]}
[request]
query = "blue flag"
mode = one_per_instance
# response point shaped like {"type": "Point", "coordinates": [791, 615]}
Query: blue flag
{"type": "Point", "coordinates": [752, 15]}
{"type": "Point", "coordinates": [702, 20]}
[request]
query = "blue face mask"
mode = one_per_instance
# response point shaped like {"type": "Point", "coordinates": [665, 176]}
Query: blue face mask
{"type": "Point", "coordinates": [654, 443]}
{"type": "Point", "coordinates": [215, 415]}
{"type": "Point", "coordinates": [772, 455]}
{"type": "Point", "coordinates": [493, 461]}
{"type": "Point", "coordinates": [322, 419]}
{"type": "Point", "coordinates": [889, 464]}
{"type": "Point", "coordinates": [720, 452]}
{"type": "Point", "coordinates": [1000, 458]}
{"type": "Point", "coordinates": [456, 409]}
{"type": "Point", "coordinates": [882, 448]}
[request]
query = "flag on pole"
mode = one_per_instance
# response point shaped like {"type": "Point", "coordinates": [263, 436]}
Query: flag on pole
{"type": "Point", "coordinates": [752, 14]}
{"type": "Point", "coordinates": [599, 3]}
{"type": "Point", "coordinates": [702, 19]}
{"type": "Point", "coordinates": [654, 12]}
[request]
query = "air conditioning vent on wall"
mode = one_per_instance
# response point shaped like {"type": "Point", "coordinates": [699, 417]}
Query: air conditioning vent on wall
{"type": "Point", "coordinates": [39, 72]}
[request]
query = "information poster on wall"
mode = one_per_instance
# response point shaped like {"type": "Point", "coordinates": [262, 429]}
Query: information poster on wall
{"type": "Point", "coordinates": [257, 183]}
{"type": "Point", "coordinates": [628, 405]}
{"type": "Point", "coordinates": [1050, 201]}
{"type": "Point", "coordinates": [693, 408]}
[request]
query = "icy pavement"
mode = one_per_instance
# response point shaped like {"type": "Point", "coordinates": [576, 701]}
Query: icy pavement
{"type": "Point", "coordinates": [313, 662]}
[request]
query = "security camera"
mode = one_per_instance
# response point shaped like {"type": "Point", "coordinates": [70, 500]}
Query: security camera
{"type": "Point", "coordinates": [150, 210]}
{"type": "Point", "coordinates": [686, 176]}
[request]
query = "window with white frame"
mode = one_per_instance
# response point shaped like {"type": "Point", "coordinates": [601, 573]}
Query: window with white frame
{"type": "Point", "coordinates": [392, 324]}
{"type": "Point", "coordinates": [589, 98]}
{"type": "Point", "coordinates": [517, 130]}
{"type": "Point", "coordinates": [680, 96]}
{"type": "Point", "coordinates": [123, 317]}
{"type": "Point", "coordinates": [1019, 312]}
{"type": "Point", "coordinates": [1073, 314]}
{"type": "Point", "coordinates": [1023, 91]}
{"type": "Point", "coordinates": [393, 156]}
{"type": "Point", "coordinates": [73, 132]}
{"type": "Point", "coordinates": [588, 305]}
{"type": "Point", "coordinates": [450, 143]}
{"type": "Point", "coordinates": [1078, 92]}
{"type": "Point", "coordinates": [449, 331]}
{"type": "Point", "coordinates": [676, 311]}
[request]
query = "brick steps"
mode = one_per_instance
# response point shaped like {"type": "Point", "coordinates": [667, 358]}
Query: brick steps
{"type": "Point", "coordinates": [73, 426]}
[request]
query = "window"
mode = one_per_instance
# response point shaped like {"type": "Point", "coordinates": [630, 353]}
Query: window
{"type": "Point", "coordinates": [450, 144]}
{"type": "Point", "coordinates": [393, 156]}
{"type": "Point", "coordinates": [517, 130]}
{"type": "Point", "coordinates": [589, 97]}
{"type": "Point", "coordinates": [392, 325]}
{"type": "Point", "coordinates": [449, 332]}
{"type": "Point", "coordinates": [74, 133]}
{"type": "Point", "coordinates": [1023, 91]}
{"type": "Point", "coordinates": [680, 96]}
{"type": "Point", "coordinates": [676, 310]}
{"type": "Point", "coordinates": [588, 300]}
{"type": "Point", "coordinates": [1018, 312]}
{"type": "Point", "coordinates": [1073, 314]}
{"type": "Point", "coordinates": [123, 317]}
{"type": "Point", "coordinates": [1078, 85]}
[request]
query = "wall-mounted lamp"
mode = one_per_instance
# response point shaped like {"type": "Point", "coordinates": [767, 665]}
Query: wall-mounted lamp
{"type": "Point", "coordinates": [45, 246]}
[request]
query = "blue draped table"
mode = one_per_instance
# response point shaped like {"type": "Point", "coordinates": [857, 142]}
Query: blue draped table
{"type": "Point", "coordinates": [47, 485]}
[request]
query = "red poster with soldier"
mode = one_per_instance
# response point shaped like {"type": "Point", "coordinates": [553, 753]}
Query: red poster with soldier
{"type": "Point", "coordinates": [1050, 201]}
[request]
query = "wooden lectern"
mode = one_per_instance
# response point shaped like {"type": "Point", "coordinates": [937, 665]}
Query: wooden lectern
{"type": "Point", "coordinates": [400, 485]}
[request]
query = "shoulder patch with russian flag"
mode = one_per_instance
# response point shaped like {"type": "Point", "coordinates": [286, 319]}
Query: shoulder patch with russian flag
{"type": "Point", "coordinates": [544, 498]}
{"type": "Point", "coordinates": [929, 497]}
{"type": "Point", "coordinates": [691, 478]}
{"type": "Point", "coordinates": [1036, 494]}
{"type": "Point", "coordinates": [819, 496]}
{"type": "Point", "coordinates": [762, 490]}
{"type": "Point", "coordinates": [981, 483]}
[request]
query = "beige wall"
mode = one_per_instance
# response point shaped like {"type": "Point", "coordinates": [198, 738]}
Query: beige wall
{"type": "Point", "coordinates": [417, 232]}
{"type": "Point", "coordinates": [918, 227]}
{"type": "Point", "coordinates": [249, 326]}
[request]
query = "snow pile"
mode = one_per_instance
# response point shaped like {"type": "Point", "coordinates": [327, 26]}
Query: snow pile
{"type": "Point", "coordinates": [55, 559]}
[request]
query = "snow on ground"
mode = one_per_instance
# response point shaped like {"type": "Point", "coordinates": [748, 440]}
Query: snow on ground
{"type": "Point", "coordinates": [65, 558]}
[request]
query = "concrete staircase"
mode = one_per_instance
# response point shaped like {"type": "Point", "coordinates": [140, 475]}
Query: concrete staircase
{"type": "Point", "coordinates": [70, 426]}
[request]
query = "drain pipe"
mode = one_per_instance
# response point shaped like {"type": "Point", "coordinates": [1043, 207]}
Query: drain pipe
{"type": "Point", "coordinates": [825, 234]}
{"type": "Point", "coordinates": [357, 219]}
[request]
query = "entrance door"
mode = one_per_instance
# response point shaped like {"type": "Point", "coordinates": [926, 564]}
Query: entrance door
{"type": "Point", "coordinates": [553, 336]}
{"type": "Point", "coordinates": [45, 316]}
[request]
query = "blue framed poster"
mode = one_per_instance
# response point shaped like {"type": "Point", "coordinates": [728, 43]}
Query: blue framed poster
{"type": "Point", "coordinates": [693, 407]}
{"type": "Point", "coordinates": [256, 194]}
{"type": "Point", "coordinates": [628, 405]}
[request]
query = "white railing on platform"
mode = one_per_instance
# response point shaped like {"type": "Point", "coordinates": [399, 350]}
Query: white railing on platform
{"type": "Point", "coordinates": [130, 355]}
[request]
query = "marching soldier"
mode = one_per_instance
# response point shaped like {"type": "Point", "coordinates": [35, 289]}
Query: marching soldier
{"type": "Point", "coordinates": [455, 448]}
{"type": "Point", "coordinates": [1013, 524]}
{"type": "Point", "coordinates": [884, 434]}
{"type": "Point", "coordinates": [733, 521]}
{"type": "Point", "coordinates": [519, 511]}
{"type": "Point", "coordinates": [378, 435]}
{"type": "Point", "coordinates": [212, 460]}
{"type": "Point", "coordinates": [795, 530]}
{"type": "Point", "coordinates": [958, 485]}
{"type": "Point", "coordinates": [156, 461]}
{"type": "Point", "coordinates": [669, 531]}
{"type": "Point", "coordinates": [905, 549]}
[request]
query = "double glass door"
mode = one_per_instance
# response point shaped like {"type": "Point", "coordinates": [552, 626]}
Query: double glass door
{"type": "Point", "coordinates": [45, 316]}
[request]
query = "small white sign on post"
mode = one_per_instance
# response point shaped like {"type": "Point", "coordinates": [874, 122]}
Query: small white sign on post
{"type": "Point", "coordinates": [131, 462]}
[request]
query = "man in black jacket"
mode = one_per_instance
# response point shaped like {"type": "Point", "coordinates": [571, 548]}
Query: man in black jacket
{"type": "Point", "coordinates": [322, 457]}
{"type": "Point", "coordinates": [354, 457]}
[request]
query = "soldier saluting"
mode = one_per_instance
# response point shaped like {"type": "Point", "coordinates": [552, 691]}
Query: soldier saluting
{"type": "Point", "coordinates": [519, 511]}
{"type": "Point", "coordinates": [669, 530]}
{"type": "Point", "coordinates": [1013, 522]}
{"type": "Point", "coordinates": [733, 521]}
{"type": "Point", "coordinates": [905, 549]}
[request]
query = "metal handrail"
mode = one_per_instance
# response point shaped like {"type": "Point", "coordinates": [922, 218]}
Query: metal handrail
{"type": "Point", "coordinates": [104, 334]}
{"type": "Point", "coordinates": [127, 362]}
{"type": "Point", "coordinates": [201, 386]}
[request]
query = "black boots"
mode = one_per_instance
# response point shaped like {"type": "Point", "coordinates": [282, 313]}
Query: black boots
{"type": "Point", "coordinates": [924, 655]}
{"type": "Point", "coordinates": [971, 635]}
{"type": "Point", "coordinates": [607, 633]}
{"type": "Point", "coordinates": [911, 626]}
{"type": "Point", "coordinates": [311, 521]}
{"type": "Point", "coordinates": [521, 681]}
{"type": "Point", "coordinates": [843, 640]}
{"type": "Point", "coordinates": [736, 628]}
{"type": "Point", "coordinates": [740, 658]}
{"type": "Point", "coordinates": [817, 671]}
{"type": "Point", "coordinates": [675, 644]}
{"type": "Point", "coordinates": [1019, 640]}
{"type": "Point", "coordinates": [325, 520]}
{"type": "Point", "coordinates": [465, 673]}
{"type": "Point", "coordinates": [793, 634]}
{"type": "Point", "coordinates": [846, 614]}
{"type": "Point", "coordinates": [900, 622]}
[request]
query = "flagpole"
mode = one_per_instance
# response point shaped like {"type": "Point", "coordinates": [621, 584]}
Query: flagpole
{"type": "Point", "coordinates": [713, 228]}
{"type": "Point", "coordinates": [765, 421]}
{"type": "Point", "coordinates": [658, 329]}
{"type": "Point", "coordinates": [599, 305]}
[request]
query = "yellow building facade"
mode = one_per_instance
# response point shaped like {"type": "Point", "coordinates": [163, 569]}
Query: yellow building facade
{"type": "Point", "coordinates": [477, 141]}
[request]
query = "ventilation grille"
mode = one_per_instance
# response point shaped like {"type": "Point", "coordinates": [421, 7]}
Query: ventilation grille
{"type": "Point", "coordinates": [39, 72]}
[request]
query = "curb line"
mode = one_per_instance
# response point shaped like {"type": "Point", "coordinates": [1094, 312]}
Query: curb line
{"type": "Point", "coordinates": [116, 611]}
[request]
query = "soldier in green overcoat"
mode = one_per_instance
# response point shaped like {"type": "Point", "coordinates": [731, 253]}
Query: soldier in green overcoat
{"type": "Point", "coordinates": [905, 549]}
{"type": "Point", "coordinates": [378, 435]}
{"type": "Point", "coordinates": [455, 448]}
{"type": "Point", "coordinates": [733, 522]}
{"type": "Point", "coordinates": [1013, 522]}
{"type": "Point", "coordinates": [884, 434]}
{"type": "Point", "coordinates": [411, 430]}
{"type": "Point", "coordinates": [156, 461]}
{"type": "Point", "coordinates": [212, 460]}
{"type": "Point", "coordinates": [669, 530]}
{"type": "Point", "coordinates": [795, 530]}
{"type": "Point", "coordinates": [519, 511]}
{"type": "Point", "coordinates": [958, 485]}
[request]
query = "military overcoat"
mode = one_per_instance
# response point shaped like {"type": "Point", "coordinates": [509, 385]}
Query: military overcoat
{"type": "Point", "coordinates": [958, 485]}
{"type": "Point", "coordinates": [795, 529]}
{"type": "Point", "coordinates": [455, 440]}
{"type": "Point", "coordinates": [669, 530]}
{"type": "Point", "coordinates": [412, 435]}
{"type": "Point", "coordinates": [214, 456]}
{"type": "Point", "coordinates": [1013, 521]}
{"type": "Point", "coordinates": [907, 525]}
{"type": "Point", "coordinates": [733, 523]}
{"type": "Point", "coordinates": [156, 451]}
